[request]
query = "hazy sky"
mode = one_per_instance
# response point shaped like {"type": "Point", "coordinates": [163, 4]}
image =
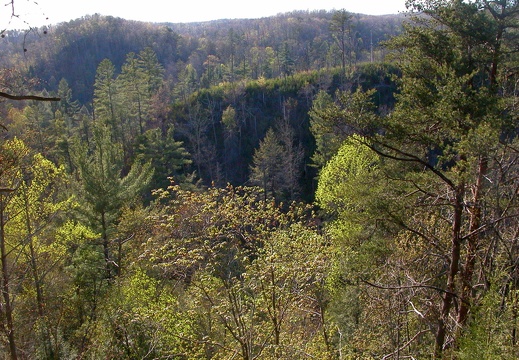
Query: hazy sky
{"type": "Point", "coordinates": [35, 12]}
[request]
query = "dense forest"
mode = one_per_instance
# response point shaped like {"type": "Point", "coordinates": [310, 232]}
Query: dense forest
{"type": "Point", "coordinates": [318, 184]}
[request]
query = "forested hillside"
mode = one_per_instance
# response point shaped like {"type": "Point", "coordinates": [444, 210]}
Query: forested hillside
{"type": "Point", "coordinates": [266, 71]}
{"type": "Point", "coordinates": [310, 185]}
{"type": "Point", "coordinates": [225, 50]}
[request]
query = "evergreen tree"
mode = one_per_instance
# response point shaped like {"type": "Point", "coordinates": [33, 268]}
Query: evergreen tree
{"type": "Point", "coordinates": [332, 121]}
{"type": "Point", "coordinates": [140, 79]}
{"type": "Point", "coordinates": [168, 157]}
{"type": "Point", "coordinates": [152, 70]}
{"type": "Point", "coordinates": [105, 95]}
{"type": "Point", "coordinates": [187, 84]}
{"type": "Point", "coordinates": [341, 30]}
{"type": "Point", "coordinates": [267, 162]}
{"type": "Point", "coordinates": [286, 62]}
{"type": "Point", "coordinates": [67, 105]}
{"type": "Point", "coordinates": [105, 188]}
{"type": "Point", "coordinates": [133, 88]}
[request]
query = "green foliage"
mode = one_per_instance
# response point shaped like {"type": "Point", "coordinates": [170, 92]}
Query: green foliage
{"type": "Point", "coordinates": [203, 228]}
{"type": "Point", "coordinates": [188, 83]}
{"type": "Point", "coordinates": [105, 187]}
{"type": "Point", "coordinates": [187, 58]}
{"type": "Point", "coordinates": [353, 194]}
{"type": "Point", "coordinates": [214, 273]}
{"type": "Point", "coordinates": [30, 209]}
{"type": "Point", "coordinates": [486, 336]}
{"type": "Point", "coordinates": [266, 168]}
{"type": "Point", "coordinates": [86, 287]}
{"type": "Point", "coordinates": [414, 252]}
{"type": "Point", "coordinates": [425, 204]}
{"type": "Point", "coordinates": [289, 278]}
{"type": "Point", "coordinates": [270, 103]}
{"type": "Point", "coordinates": [105, 102]}
{"type": "Point", "coordinates": [229, 119]}
{"type": "Point", "coordinates": [167, 156]}
{"type": "Point", "coordinates": [33, 126]}
{"type": "Point", "coordinates": [124, 102]}
{"type": "Point", "coordinates": [140, 319]}
{"type": "Point", "coordinates": [253, 273]}
{"type": "Point", "coordinates": [73, 49]}
{"type": "Point", "coordinates": [331, 122]}
{"type": "Point", "coordinates": [141, 76]}
{"type": "Point", "coordinates": [348, 178]}
{"type": "Point", "coordinates": [277, 164]}
{"type": "Point", "coordinates": [341, 26]}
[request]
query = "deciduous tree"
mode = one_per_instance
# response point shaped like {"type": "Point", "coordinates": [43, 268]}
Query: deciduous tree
{"type": "Point", "coordinates": [29, 205]}
{"type": "Point", "coordinates": [253, 273]}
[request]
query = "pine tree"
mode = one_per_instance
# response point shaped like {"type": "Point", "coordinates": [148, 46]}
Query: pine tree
{"type": "Point", "coordinates": [134, 95]}
{"type": "Point", "coordinates": [152, 70]}
{"type": "Point", "coordinates": [105, 95]}
{"type": "Point", "coordinates": [105, 188]}
{"type": "Point", "coordinates": [168, 157]}
{"type": "Point", "coordinates": [267, 162]}
{"type": "Point", "coordinates": [141, 77]}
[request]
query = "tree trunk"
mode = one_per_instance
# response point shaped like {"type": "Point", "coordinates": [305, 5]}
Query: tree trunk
{"type": "Point", "coordinates": [8, 311]}
{"type": "Point", "coordinates": [106, 249]}
{"type": "Point", "coordinates": [32, 260]}
{"type": "Point", "coordinates": [449, 295]}
{"type": "Point", "coordinates": [472, 244]}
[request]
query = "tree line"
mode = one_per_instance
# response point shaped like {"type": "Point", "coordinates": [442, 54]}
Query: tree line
{"type": "Point", "coordinates": [218, 51]}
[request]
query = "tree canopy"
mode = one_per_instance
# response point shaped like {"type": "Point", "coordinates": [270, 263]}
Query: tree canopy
{"type": "Point", "coordinates": [278, 188]}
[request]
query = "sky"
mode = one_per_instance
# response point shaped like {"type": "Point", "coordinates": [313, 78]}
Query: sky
{"type": "Point", "coordinates": [35, 13]}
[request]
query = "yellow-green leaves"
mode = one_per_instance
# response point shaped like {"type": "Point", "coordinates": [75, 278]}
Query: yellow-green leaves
{"type": "Point", "coordinates": [254, 271]}
{"type": "Point", "coordinates": [351, 172]}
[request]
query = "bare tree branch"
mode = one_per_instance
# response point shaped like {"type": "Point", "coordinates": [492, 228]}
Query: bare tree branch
{"type": "Point", "coordinates": [418, 286]}
{"type": "Point", "coordinates": [6, 190]}
{"type": "Point", "coordinates": [28, 97]}
{"type": "Point", "coordinates": [406, 345]}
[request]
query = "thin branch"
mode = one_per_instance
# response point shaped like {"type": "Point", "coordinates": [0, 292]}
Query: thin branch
{"type": "Point", "coordinates": [416, 310]}
{"type": "Point", "coordinates": [28, 97]}
{"type": "Point", "coordinates": [407, 157]}
{"type": "Point", "coordinates": [485, 226]}
{"type": "Point", "coordinates": [7, 190]}
{"type": "Point", "coordinates": [406, 345]}
{"type": "Point", "coordinates": [419, 286]}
